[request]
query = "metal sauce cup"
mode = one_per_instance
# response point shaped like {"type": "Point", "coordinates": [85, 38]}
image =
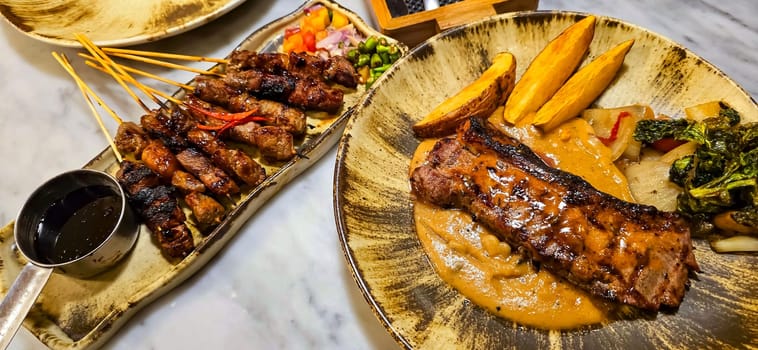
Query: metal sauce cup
{"type": "Point", "coordinates": [93, 259]}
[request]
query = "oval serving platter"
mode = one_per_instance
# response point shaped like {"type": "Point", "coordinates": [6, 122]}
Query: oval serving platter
{"type": "Point", "coordinates": [374, 210]}
{"type": "Point", "coordinates": [79, 314]}
{"type": "Point", "coordinates": [110, 22]}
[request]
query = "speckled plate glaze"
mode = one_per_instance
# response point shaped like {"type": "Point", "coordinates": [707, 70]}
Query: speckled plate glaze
{"type": "Point", "coordinates": [373, 204]}
{"type": "Point", "coordinates": [110, 22]}
{"type": "Point", "coordinates": [79, 314]}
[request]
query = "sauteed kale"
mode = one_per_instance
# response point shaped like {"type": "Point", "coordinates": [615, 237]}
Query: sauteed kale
{"type": "Point", "coordinates": [720, 177]}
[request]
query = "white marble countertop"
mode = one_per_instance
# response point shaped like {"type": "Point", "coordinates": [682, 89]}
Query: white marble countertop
{"type": "Point", "coordinates": [282, 282]}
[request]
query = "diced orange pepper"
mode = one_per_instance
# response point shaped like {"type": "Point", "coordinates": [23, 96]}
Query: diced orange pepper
{"type": "Point", "coordinates": [318, 19]}
{"type": "Point", "coordinates": [294, 43]}
{"type": "Point", "coordinates": [339, 20]}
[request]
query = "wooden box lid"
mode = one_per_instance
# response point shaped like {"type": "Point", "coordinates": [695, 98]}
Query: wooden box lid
{"type": "Point", "coordinates": [416, 27]}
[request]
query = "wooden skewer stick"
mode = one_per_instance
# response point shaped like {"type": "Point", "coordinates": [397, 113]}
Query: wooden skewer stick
{"type": "Point", "coordinates": [105, 61]}
{"type": "Point", "coordinates": [95, 65]}
{"type": "Point", "coordinates": [142, 86]}
{"type": "Point", "coordinates": [166, 64]}
{"type": "Point", "coordinates": [113, 50]}
{"type": "Point", "coordinates": [86, 92]}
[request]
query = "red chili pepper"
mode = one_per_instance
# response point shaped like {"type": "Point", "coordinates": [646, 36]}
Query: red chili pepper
{"type": "Point", "coordinates": [229, 125]}
{"type": "Point", "coordinates": [614, 130]}
{"type": "Point", "coordinates": [225, 116]}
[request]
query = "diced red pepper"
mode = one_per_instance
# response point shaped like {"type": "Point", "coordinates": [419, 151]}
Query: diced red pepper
{"type": "Point", "coordinates": [309, 40]}
{"type": "Point", "coordinates": [614, 130]}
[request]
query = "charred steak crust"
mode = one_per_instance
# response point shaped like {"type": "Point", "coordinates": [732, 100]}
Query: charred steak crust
{"type": "Point", "coordinates": [621, 251]}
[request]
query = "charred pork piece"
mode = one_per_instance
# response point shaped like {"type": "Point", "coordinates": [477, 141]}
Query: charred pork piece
{"type": "Point", "coordinates": [214, 90]}
{"type": "Point", "coordinates": [311, 93]}
{"type": "Point", "coordinates": [169, 127]}
{"type": "Point", "coordinates": [265, 85]}
{"type": "Point", "coordinates": [158, 208]}
{"type": "Point", "coordinates": [232, 160]}
{"type": "Point", "coordinates": [627, 252]}
{"type": "Point", "coordinates": [206, 210]}
{"type": "Point", "coordinates": [341, 71]}
{"type": "Point", "coordinates": [176, 242]}
{"type": "Point", "coordinates": [214, 179]}
{"type": "Point", "coordinates": [186, 183]}
{"type": "Point", "coordinates": [290, 118]}
{"type": "Point", "coordinates": [159, 159]}
{"type": "Point", "coordinates": [135, 176]}
{"type": "Point", "coordinates": [274, 143]}
{"type": "Point", "coordinates": [305, 92]}
{"type": "Point", "coordinates": [131, 139]}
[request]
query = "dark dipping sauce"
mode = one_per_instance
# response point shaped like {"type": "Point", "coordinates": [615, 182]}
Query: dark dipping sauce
{"type": "Point", "coordinates": [77, 224]}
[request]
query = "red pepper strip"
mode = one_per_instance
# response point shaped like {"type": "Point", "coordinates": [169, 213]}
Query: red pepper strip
{"type": "Point", "coordinates": [615, 130]}
{"type": "Point", "coordinates": [229, 125]}
{"type": "Point", "coordinates": [225, 116]}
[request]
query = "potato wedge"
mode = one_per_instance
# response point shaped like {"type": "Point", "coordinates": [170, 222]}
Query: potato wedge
{"type": "Point", "coordinates": [478, 99]}
{"type": "Point", "coordinates": [549, 70]}
{"type": "Point", "coordinates": [582, 88]}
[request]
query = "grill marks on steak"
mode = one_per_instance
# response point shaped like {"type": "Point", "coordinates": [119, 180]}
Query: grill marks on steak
{"type": "Point", "coordinates": [627, 252]}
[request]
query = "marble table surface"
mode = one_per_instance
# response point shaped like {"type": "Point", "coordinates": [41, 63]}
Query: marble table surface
{"type": "Point", "coordinates": [282, 282]}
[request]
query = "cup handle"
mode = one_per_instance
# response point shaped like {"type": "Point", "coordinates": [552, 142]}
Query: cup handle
{"type": "Point", "coordinates": [20, 298]}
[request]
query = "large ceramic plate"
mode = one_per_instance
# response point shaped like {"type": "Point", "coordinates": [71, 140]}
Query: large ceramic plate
{"type": "Point", "coordinates": [110, 22]}
{"type": "Point", "coordinates": [76, 314]}
{"type": "Point", "coordinates": [373, 204]}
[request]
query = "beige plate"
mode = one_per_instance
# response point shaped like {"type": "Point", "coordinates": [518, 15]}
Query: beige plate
{"type": "Point", "coordinates": [78, 314]}
{"type": "Point", "coordinates": [374, 209]}
{"type": "Point", "coordinates": [110, 22]}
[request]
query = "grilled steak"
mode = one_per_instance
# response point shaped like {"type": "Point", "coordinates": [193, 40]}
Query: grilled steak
{"type": "Point", "coordinates": [627, 252]}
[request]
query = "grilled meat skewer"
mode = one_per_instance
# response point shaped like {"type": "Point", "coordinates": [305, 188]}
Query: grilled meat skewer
{"type": "Point", "coordinates": [157, 206]}
{"type": "Point", "coordinates": [214, 179]}
{"type": "Point", "coordinates": [336, 68]}
{"type": "Point", "coordinates": [232, 160]}
{"type": "Point", "coordinates": [274, 142]}
{"type": "Point", "coordinates": [158, 158]}
{"type": "Point", "coordinates": [303, 92]}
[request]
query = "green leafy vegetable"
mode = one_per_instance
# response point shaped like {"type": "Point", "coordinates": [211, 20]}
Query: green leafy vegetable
{"type": "Point", "coordinates": [722, 174]}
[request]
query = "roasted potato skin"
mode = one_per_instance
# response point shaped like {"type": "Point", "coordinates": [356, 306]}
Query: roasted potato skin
{"type": "Point", "coordinates": [478, 99]}
{"type": "Point", "coordinates": [582, 88]}
{"type": "Point", "coordinates": [549, 70]}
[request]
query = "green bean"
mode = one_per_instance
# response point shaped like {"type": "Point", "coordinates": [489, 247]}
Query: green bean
{"type": "Point", "coordinates": [363, 59]}
{"type": "Point", "coordinates": [370, 44]}
{"type": "Point", "coordinates": [382, 48]}
{"type": "Point", "coordinates": [352, 55]}
{"type": "Point", "coordinates": [381, 69]}
{"type": "Point", "coordinates": [376, 60]}
{"type": "Point", "coordinates": [385, 57]}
